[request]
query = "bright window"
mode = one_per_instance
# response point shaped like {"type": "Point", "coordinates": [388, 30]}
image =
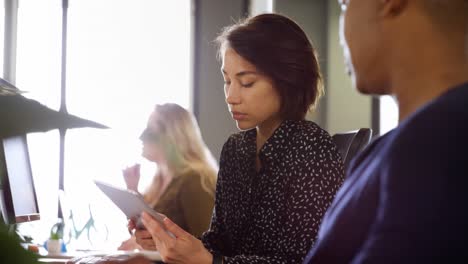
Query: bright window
{"type": "Point", "coordinates": [38, 72]}
{"type": "Point", "coordinates": [2, 34]}
{"type": "Point", "coordinates": [261, 6]}
{"type": "Point", "coordinates": [388, 114]}
{"type": "Point", "coordinates": [123, 57]}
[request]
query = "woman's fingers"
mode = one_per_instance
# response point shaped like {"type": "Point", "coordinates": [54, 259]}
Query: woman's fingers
{"type": "Point", "coordinates": [155, 228]}
{"type": "Point", "coordinates": [175, 229]}
{"type": "Point", "coordinates": [136, 169]}
{"type": "Point", "coordinates": [142, 233]}
{"type": "Point", "coordinates": [131, 225]}
{"type": "Point", "coordinates": [132, 176]}
{"type": "Point", "coordinates": [147, 244]}
{"type": "Point", "coordinates": [144, 239]}
{"type": "Point", "coordinates": [129, 244]}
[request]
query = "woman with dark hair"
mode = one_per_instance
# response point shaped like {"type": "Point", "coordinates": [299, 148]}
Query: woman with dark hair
{"type": "Point", "coordinates": [280, 173]}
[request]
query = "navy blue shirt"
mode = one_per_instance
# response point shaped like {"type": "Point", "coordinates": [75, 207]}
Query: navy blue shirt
{"type": "Point", "coordinates": [405, 199]}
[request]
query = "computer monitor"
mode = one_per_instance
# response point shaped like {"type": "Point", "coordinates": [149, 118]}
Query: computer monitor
{"type": "Point", "coordinates": [18, 199]}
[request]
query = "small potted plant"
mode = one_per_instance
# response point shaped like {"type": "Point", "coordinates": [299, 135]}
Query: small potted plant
{"type": "Point", "coordinates": [54, 244]}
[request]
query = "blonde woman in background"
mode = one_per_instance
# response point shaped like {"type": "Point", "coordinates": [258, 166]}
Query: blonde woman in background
{"type": "Point", "coordinates": [184, 185]}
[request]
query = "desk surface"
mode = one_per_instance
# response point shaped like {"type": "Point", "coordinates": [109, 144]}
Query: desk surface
{"type": "Point", "coordinates": [63, 257]}
{"type": "Point", "coordinates": [52, 260]}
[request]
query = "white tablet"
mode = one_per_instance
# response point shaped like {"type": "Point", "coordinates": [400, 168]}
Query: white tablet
{"type": "Point", "coordinates": [130, 202]}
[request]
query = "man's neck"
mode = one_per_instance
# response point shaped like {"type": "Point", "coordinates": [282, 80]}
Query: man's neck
{"type": "Point", "coordinates": [416, 93]}
{"type": "Point", "coordinates": [426, 77]}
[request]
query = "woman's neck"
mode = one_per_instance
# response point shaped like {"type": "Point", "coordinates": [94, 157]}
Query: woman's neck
{"type": "Point", "coordinates": [165, 173]}
{"type": "Point", "coordinates": [266, 130]}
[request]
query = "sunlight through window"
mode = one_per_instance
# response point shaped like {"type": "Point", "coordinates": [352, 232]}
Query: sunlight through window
{"type": "Point", "coordinates": [388, 114]}
{"type": "Point", "coordinates": [2, 34]}
{"type": "Point", "coordinates": [123, 57]}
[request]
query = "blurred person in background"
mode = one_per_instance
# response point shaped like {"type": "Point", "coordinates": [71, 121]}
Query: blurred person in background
{"type": "Point", "coordinates": [184, 185]}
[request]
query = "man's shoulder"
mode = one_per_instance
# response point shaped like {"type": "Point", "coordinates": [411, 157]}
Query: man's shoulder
{"type": "Point", "coordinates": [443, 119]}
{"type": "Point", "coordinates": [449, 109]}
{"type": "Point", "coordinates": [439, 125]}
{"type": "Point", "coordinates": [429, 146]}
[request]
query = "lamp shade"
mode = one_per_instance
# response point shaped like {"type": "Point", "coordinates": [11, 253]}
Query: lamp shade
{"type": "Point", "coordinates": [21, 115]}
{"type": "Point", "coordinates": [7, 88]}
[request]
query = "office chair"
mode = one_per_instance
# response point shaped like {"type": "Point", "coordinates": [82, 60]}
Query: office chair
{"type": "Point", "coordinates": [351, 143]}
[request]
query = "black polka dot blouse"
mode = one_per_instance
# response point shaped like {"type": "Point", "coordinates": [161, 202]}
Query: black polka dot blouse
{"type": "Point", "coordinates": [273, 215]}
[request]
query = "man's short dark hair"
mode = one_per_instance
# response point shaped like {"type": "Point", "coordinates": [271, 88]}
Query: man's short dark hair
{"type": "Point", "coordinates": [280, 49]}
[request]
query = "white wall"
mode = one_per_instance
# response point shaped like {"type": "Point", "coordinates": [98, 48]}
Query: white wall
{"type": "Point", "coordinates": [210, 108]}
{"type": "Point", "coordinates": [312, 17]}
{"type": "Point", "coordinates": [342, 108]}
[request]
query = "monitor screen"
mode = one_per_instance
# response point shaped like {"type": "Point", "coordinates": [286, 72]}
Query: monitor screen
{"type": "Point", "coordinates": [18, 196]}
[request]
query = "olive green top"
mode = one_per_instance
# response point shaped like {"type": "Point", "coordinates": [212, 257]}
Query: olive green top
{"type": "Point", "coordinates": [187, 203]}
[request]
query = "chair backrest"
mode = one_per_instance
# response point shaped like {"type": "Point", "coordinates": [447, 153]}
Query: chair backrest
{"type": "Point", "coordinates": [351, 143]}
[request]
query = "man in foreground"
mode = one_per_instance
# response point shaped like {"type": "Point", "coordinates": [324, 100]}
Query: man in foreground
{"type": "Point", "coordinates": [405, 198]}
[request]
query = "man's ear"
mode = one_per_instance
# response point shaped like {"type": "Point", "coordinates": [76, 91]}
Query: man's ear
{"type": "Point", "coordinates": [392, 7]}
